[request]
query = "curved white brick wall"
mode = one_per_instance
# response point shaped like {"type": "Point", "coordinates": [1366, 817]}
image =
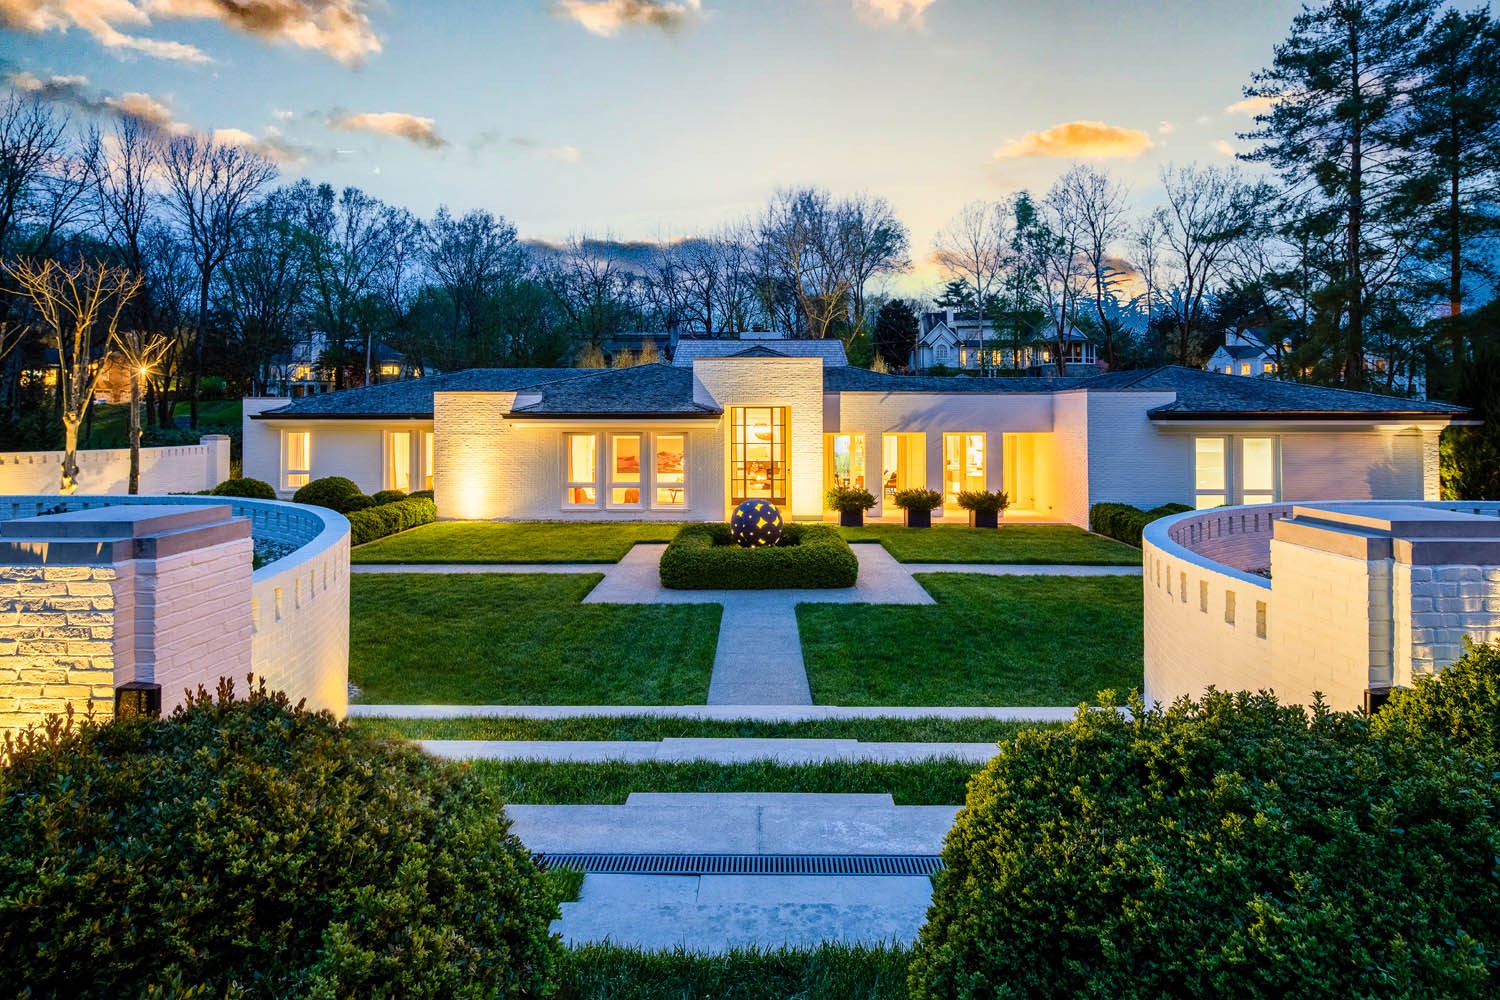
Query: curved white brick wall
{"type": "Point", "coordinates": [176, 469]}
{"type": "Point", "coordinates": [299, 603]}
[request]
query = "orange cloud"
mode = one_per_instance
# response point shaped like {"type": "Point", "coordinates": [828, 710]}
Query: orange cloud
{"type": "Point", "coordinates": [271, 145]}
{"type": "Point", "coordinates": [1252, 106]}
{"type": "Point", "coordinates": [422, 131]}
{"type": "Point", "coordinates": [1077, 140]}
{"type": "Point", "coordinates": [101, 20]}
{"type": "Point", "coordinates": [77, 92]}
{"type": "Point", "coordinates": [607, 17]}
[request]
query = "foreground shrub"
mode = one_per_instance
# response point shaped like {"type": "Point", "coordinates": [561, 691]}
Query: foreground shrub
{"type": "Point", "coordinates": [328, 492]}
{"type": "Point", "coordinates": [917, 499]}
{"type": "Point", "coordinates": [704, 557]}
{"type": "Point", "coordinates": [983, 501]}
{"type": "Point", "coordinates": [1460, 704]}
{"type": "Point", "coordinates": [1232, 847]}
{"type": "Point", "coordinates": [831, 971]}
{"type": "Point", "coordinates": [1125, 523]}
{"type": "Point", "coordinates": [387, 496]}
{"type": "Point", "coordinates": [353, 502]}
{"type": "Point", "coordinates": [253, 489]}
{"type": "Point", "coordinates": [376, 522]}
{"type": "Point", "coordinates": [249, 848]}
{"type": "Point", "coordinates": [848, 500]}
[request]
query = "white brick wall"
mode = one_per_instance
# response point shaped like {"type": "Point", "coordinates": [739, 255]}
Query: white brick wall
{"type": "Point", "coordinates": [1435, 608]}
{"type": "Point", "coordinates": [299, 639]}
{"type": "Point", "coordinates": [178, 469]}
{"type": "Point", "coordinates": [1352, 465]}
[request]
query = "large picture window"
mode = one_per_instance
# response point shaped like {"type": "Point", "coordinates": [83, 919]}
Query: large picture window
{"type": "Point", "coordinates": [1258, 469]}
{"type": "Point", "coordinates": [582, 487]}
{"type": "Point", "coordinates": [671, 470]}
{"type": "Point", "coordinates": [1211, 477]}
{"type": "Point", "coordinates": [625, 470]}
{"type": "Point", "coordinates": [398, 462]}
{"type": "Point", "coordinates": [963, 465]}
{"type": "Point", "coordinates": [297, 458]}
{"type": "Point", "coordinates": [757, 454]}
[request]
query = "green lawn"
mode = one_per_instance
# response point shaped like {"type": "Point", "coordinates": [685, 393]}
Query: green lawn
{"type": "Point", "coordinates": [520, 542]}
{"type": "Point", "coordinates": [528, 782]}
{"type": "Point", "coordinates": [1020, 640]}
{"type": "Point", "coordinates": [1026, 544]}
{"type": "Point", "coordinates": [523, 639]}
{"type": "Point", "coordinates": [647, 727]}
{"type": "Point", "coordinates": [211, 412]}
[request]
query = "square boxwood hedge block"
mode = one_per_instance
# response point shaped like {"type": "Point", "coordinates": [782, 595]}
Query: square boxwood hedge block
{"type": "Point", "coordinates": [705, 557]}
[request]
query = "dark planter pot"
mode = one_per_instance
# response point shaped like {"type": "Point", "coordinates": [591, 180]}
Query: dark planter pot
{"type": "Point", "coordinates": [918, 518]}
{"type": "Point", "coordinates": [990, 519]}
{"type": "Point", "coordinates": [852, 518]}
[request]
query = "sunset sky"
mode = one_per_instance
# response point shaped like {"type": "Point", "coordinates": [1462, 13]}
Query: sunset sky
{"type": "Point", "coordinates": [643, 119]}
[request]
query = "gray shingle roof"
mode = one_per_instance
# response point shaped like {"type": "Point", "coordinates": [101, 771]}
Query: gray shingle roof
{"type": "Point", "coordinates": [1213, 394]}
{"type": "Point", "coordinates": [688, 348]}
{"type": "Point", "coordinates": [412, 398]}
{"type": "Point", "coordinates": [658, 390]}
{"type": "Point", "coordinates": [1244, 352]}
{"type": "Point", "coordinates": [862, 380]}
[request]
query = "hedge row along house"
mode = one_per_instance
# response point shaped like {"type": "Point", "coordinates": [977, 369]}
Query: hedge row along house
{"type": "Point", "coordinates": [786, 420]}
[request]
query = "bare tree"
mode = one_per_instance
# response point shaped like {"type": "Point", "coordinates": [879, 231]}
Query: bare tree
{"type": "Point", "coordinates": [803, 254]}
{"type": "Point", "coordinates": [73, 302]}
{"type": "Point", "coordinates": [124, 172]}
{"type": "Point", "coordinates": [141, 352]}
{"type": "Point", "coordinates": [1051, 244]}
{"type": "Point", "coordinates": [264, 285]}
{"type": "Point", "coordinates": [1148, 244]}
{"type": "Point", "coordinates": [471, 256]}
{"type": "Point", "coordinates": [211, 187]}
{"type": "Point", "coordinates": [1100, 204]}
{"type": "Point", "coordinates": [974, 248]}
{"type": "Point", "coordinates": [875, 243]}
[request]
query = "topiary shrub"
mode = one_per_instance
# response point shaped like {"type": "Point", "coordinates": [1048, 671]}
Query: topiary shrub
{"type": "Point", "coordinates": [326, 492]}
{"type": "Point", "coordinates": [704, 557]}
{"type": "Point", "coordinates": [1228, 847]}
{"type": "Point", "coordinates": [917, 499]}
{"type": "Point", "coordinates": [254, 489]}
{"type": "Point", "coordinates": [421, 495]}
{"type": "Point", "coordinates": [250, 848]}
{"type": "Point", "coordinates": [1460, 704]}
{"type": "Point", "coordinates": [387, 519]}
{"type": "Point", "coordinates": [1125, 523]}
{"type": "Point", "coordinates": [350, 504]}
{"type": "Point", "coordinates": [387, 496]}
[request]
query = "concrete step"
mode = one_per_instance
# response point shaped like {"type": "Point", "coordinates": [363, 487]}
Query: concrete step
{"type": "Point", "coordinates": [713, 913]}
{"type": "Point", "coordinates": [718, 750]}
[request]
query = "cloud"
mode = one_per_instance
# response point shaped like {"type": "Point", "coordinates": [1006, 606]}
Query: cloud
{"type": "Point", "coordinates": [1223, 148]}
{"type": "Point", "coordinates": [1077, 140]}
{"type": "Point", "coordinates": [563, 154]}
{"type": "Point", "coordinates": [270, 144]}
{"type": "Point", "coordinates": [1165, 128]}
{"type": "Point", "coordinates": [606, 17]}
{"type": "Point", "coordinates": [412, 128]}
{"type": "Point", "coordinates": [1252, 106]}
{"type": "Point", "coordinates": [339, 29]}
{"type": "Point", "coordinates": [77, 92]}
{"type": "Point", "coordinates": [892, 11]}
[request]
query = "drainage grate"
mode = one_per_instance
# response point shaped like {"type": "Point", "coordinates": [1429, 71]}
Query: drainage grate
{"type": "Point", "coordinates": [746, 864]}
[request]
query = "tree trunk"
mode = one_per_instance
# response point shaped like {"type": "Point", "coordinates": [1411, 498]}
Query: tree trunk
{"type": "Point", "coordinates": [70, 456]}
{"type": "Point", "coordinates": [1354, 362]}
{"type": "Point", "coordinates": [1455, 239]}
{"type": "Point", "coordinates": [198, 351]}
{"type": "Point", "coordinates": [135, 433]}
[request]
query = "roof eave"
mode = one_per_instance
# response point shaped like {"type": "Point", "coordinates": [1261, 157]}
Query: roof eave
{"type": "Point", "coordinates": [1449, 415]}
{"type": "Point", "coordinates": [612, 415]}
{"type": "Point", "coordinates": [284, 415]}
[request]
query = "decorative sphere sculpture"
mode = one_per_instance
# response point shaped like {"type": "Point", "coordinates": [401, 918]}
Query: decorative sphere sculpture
{"type": "Point", "coordinates": [755, 522]}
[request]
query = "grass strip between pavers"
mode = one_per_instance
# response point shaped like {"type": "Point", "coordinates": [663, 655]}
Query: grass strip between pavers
{"type": "Point", "coordinates": [938, 782]}
{"type": "Point", "coordinates": [829, 972]}
{"type": "Point", "coordinates": [1013, 544]}
{"type": "Point", "coordinates": [648, 727]}
{"type": "Point", "coordinates": [515, 542]}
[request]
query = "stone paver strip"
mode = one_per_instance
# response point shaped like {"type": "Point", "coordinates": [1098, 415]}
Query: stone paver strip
{"type": "Point", "coordinates": [568, 568]}
{"type": "Point", "coordinates": [733, 713]}
{"type": "Point", "coordinates": [722, 751]}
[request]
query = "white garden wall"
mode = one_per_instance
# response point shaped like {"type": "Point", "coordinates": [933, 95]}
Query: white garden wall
{"type": "Point", "coordinates": [175, 469]}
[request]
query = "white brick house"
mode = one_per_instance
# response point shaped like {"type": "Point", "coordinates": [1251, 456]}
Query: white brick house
{"type": "Point", "coordinates": [687, 441]}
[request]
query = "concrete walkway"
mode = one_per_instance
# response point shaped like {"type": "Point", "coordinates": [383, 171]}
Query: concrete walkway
{"type": "Point", "coordinates": [1020, 569]}
{"type": "Point", "coordinates": [571, 568]}
{"type": "Point", "coordinates": [733, 713]}
{"type": "Point", "coordinates": [728, 750]}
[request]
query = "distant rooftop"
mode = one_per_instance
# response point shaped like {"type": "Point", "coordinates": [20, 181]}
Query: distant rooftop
{"type": "Point", "coordinates": [690, 348]}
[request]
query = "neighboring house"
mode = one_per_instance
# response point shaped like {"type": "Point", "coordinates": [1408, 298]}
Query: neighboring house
{"type": "Point", "coordinates": [953, 340]}
{"type": "Point", "coordinates": [299, 372]}
{"type": "Point", "coordinates": [1251, 353]}
{"type": "Point", "coordinates": [634, 344]}
{"type": "Point", "coordinates": [688, 441]}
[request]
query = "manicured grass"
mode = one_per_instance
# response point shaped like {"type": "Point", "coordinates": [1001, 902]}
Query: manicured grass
{"type": "Point", "coordinates": [1024, 544]}
{"type": "Point", "coordinates": [645, 727]}
{"type": "Point", "coordinates": [1020, 640]}
{"type": "Point", "coordinates": [212, 412]}
{"type": "Point", "coordinates": [563, 884]}
{"type": "Point", "coordinates": [829, 972]}
{"type": "Point", "coordinates": [520, 542]}
{"type": "Point", "coordinates": [522, 639]}
{"type": "Point", "coordinates": [924, 783]}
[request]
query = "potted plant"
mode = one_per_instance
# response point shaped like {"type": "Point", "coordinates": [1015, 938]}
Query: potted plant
{"type": "Point", "coordinates": [851, 503]}
{"type": "Point", "coordinates": [919, 505]}
{"type": "Point", "coordinates": [984, 508]}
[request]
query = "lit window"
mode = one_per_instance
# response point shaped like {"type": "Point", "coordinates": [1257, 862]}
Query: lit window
{"type": "Point", "coordinates": [301, 373]}
{"type": "Point", "coordinates": [297, 451]}
{"type": "Point", "coordinates": [1210, 477]}
{"type": "Point", "coordinates": [757, 459]}
{"type": "Point", "coordinates": [398, 468]}
{"type": "Point", "coordinates": [1267, 368]}
{"type": "Point", "coordinates": [625, 470]}
{"type": "Point", "coordinates": [963, 465]}
{"type": "Point", "coordinates": [963, 357]}
{"type": "Point", "coordinates": [845, 461]}
{"type": "Point", "coordinates": [583, 470]}
{"type": "Point", "coordinates": [671, 471]}
{"type": "Point", "coordinates": [1258, 469]}
{"type": "Point", "coordinates": [428, 449]}
{"type": "Point", "coordinates": [1244, 368]}
{"type": "Point", "coordinates": [390, 370]}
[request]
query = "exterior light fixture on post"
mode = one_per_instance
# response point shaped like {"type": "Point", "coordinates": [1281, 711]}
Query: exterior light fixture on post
{"type": "Point", "coordinates": [142, 352]}
{"type": "Point", "coordinates": [138, 700]}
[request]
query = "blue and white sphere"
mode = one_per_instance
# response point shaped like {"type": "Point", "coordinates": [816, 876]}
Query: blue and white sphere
{"type": "Point", "coordinates": [755, 522]}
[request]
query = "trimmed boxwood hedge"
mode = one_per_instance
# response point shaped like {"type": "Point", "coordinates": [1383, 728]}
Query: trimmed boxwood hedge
{"type": "Point", "coordinates": [1125, 523]}
{"type": "Point", "coordinates": [705, 557]}
{"type": "Point", "coordinates": [1227, 847]}
{"type": "Point", "coordinates": [371, 523]}
{"type": "Point", "coordinates": [254, 489]}
{"type": "Point", "coordinates": [329, 491]}
{"type": "Point", "coordinates": [248, 848]}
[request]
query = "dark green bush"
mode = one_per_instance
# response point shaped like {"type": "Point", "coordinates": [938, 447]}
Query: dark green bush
{"type": "Point", "coordinates": [420, 495]}
{"type": "Point", "coordinates": [1460, 704]}
{"type": "Point", "coordinates": [250, 848]}
{"type": "Point", "coordinates": [704, 557]}
{"type": "Point", "coordinates": [917, 499]}
{"type": "Point", "coordinates": [387, 496]}
{"type": "Point", "coordinates": [352, 503]}
{"type": "Point", "coordinates": [1125, 523]}
{"type": "Point", "coordinates": [1228, 847]}
{"type": "Point", "coordinates": [388, 518]}
{"type": "Point", "coordinates": [983, 502]}
{"type": "Point", "coordinates": [253, 489]}
{"type": "Point", "coordinates": [847, 499]}
{"type": "Point", "coordinates": [326, 492]}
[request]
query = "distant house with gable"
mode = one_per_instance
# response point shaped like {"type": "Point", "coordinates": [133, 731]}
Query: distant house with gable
{"type": "Point", "coordinates": [964, 342]}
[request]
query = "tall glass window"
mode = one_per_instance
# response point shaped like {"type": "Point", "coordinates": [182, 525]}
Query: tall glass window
{"type": "Point", "coordinates": [398, 468]}
{"type": "Point", "coordinates": [671, 470]}
{"type": "Point", "coordinates": [1210, 475]}
{"type": "Point", "coordinates": [625, 470]}
{"type": "Point", "coordinates": [963, 465]}
{"type": "Point", "coordinates": [845, 460]}
{"type": "Point", "coordinates": [1258, 469]}
{"type": "Point", "coordinates": [757, 453]}
{"type": "Point", "coordinates": [428, 455]}
{"type": "Point", "coordinates": [582, 488]}
{"type": "Point", "coordinates": [297, 448]}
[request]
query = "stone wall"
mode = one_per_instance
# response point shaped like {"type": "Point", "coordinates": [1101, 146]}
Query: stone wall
{"type": "Point", "coordinates": [177, 469]}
